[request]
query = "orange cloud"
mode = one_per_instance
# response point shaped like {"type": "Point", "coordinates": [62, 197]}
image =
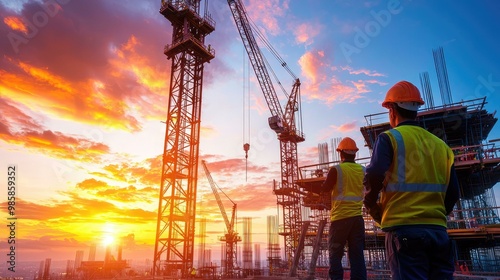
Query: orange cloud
{"type": "Point", "coordinates": [305, 32]}
{"type": "Point", "coordinates": [57, 96]}
{"type": "Point", "coordinates": [346, 127]}
{"type": "Point", "coordinates": [312, 65]}
{"type": "Point", "coordinates": [103, 190]}
{"type": "Point", "coordinates": [131, 63]}
{"type": "Point", "coordinates": [246, 197]}
{"type": "Point", "coordinates": [81, 220]}
{"type": "Point", "coordinates": [339, 92]}
{"type": "Point", "coordinates": [146, 173]}
{"type": "Point", "coordinates": [80, 215]}
{"type": "Point", "coordinates": [260, 103]}
{"type": "Point", "coordinates": [21, 129]}
{"type": "Point", "coordinates": [45, 77]}
{"type": "Point", "coordinates": [267, 12]}
{"type": "Point", "coordinates": [342, 129]}
{"type": "Point", "coordinates": [15, 23]}
{"type": "Point", "coordinates": [316, 68]}
{"type": "Point", "coordinates": [133, 87]}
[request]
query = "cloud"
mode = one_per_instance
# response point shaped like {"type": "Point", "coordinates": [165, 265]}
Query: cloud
{"type": "Point", "coordinates": [326, 82]}
{"type": "Point", "coordinates": [313, 68]}
{"type": "Point", "coordinates": [305, 32]}
{"type": "Point", "coordinates": [82, 215]}
{"type": "Point", "coordinates": [146, 173]}
{"type": "Point", "coordinates": [103, 190]}
{"type": "Point", "coordinates": [342, 129]}
{"type": "Point", "coordinates": [362, 71]}
{"type": "Point", "coordinates": [246, 197]}
{"type": "Point", "coordinates": [347, 127]}
{"type": "Point", "coordinates": [267, 13]}
{"type": "Point", "coordinates": [18, 128]}
{"type": "Point", "coordinates": [85, 65]}
{"type": "Point", "coordinates": [15, 23]}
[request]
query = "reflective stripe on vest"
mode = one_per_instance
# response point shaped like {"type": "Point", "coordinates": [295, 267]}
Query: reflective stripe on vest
{"type": "Point", "coordinates": [401, 185]}
{"type": "Point", "coordinates": [340, 184]}
{"type": "Point", "coordinates": [417, 179]}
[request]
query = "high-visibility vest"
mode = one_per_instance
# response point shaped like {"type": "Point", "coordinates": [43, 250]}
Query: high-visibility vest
{"type": "Point", "coordinates": [347, 195]}
{"type": "Point", "coordinates": [416, 183]}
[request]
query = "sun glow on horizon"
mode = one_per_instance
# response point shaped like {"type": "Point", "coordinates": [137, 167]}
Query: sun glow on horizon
{"type": "Point", "coordinates": [108, 240]}
{"type": "Point", "coordinates": [109, 233]}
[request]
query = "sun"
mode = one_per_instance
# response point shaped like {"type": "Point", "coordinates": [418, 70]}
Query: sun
{"type": "Point", "coordinates": [108, 240]}
{"type": "Point", "coordinates": [109, 233]}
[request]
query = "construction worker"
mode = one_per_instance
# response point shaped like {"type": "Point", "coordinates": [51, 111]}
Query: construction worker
{"type": "Point", "coordinates": [345, 183]}
{"type": "Point", "coordinates": [413, 171]}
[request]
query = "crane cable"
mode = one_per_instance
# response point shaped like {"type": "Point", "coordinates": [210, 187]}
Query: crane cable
{"type": "Point", "coordinates": [246, 112]}
{"type": "Point", "coordinates": [274, 52]}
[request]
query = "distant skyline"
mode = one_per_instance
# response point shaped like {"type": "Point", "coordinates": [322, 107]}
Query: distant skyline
{"type": "Point", "coordinates": [84, 90]}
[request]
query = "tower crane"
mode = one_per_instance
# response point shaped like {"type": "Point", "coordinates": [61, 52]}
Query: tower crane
{"type": "Point", "coordinates": [286, 125]}
{"type": "Point", "coordinates": [175, 227]}
{"type": "Point", "coordinates": [231, 237]}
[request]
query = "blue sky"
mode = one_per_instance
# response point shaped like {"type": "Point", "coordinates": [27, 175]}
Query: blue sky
{"type": "Point", "coordinates": [84, 89]}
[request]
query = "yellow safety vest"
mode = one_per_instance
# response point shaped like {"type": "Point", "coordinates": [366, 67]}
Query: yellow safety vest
{"type": "Point", "coordinates": [416, 183]}
{"type": "Point", "coordinates": [347, 195]}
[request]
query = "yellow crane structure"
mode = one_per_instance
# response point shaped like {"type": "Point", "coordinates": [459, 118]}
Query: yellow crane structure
{"type": "Point", "coordinates": [287, 126]}
{"type": "Point", "coordinates": [231, 236]}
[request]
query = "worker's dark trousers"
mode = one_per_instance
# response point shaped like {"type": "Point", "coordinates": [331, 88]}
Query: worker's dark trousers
{"type": "Point", "coordinates": [416, 252]}
{"type": "Point", "coordinates": [352, 231]}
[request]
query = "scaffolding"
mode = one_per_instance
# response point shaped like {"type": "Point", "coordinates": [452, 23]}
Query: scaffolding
{"type": "Point", "coordinates": [273, 247]}
{"type": "Point", "coordinates": [247, 246]}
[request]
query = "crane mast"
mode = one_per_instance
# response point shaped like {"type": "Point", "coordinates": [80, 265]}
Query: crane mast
{"type": "Point", "coordinates": [175, 229]}
{"type": "Point", "coordinates": [231, 237]}
{"type": "Point", "coordinates": [285, 125]}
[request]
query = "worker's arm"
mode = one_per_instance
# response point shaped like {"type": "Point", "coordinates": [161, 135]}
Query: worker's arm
{"type": "Point", "coordinates": [331, 180]}
{"type": "Point", "coordinates": [452, 192]}
{"type": "Point", "coordinates": [375, 174]}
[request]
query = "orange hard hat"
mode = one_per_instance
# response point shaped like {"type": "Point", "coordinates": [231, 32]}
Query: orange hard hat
{"type": "Point", "coordinates": [348, 146]}
{"type": "Point", "coordinates": [405, 94]}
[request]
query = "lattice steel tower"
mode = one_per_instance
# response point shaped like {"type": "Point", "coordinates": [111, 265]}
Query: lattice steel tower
{"type": "Point", "coordinates": [174, 244]}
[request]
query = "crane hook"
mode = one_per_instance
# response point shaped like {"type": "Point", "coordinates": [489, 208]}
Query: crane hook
{"type": "Point", "coordinates": [246, 148]}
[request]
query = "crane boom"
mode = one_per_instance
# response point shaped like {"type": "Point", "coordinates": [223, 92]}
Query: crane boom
{"type": "Point", "coordinates": [289, 134]}
{"type": "Point", "coordinates": [231, 237]}
{"type": "Point", "coordinates": [229, 224]}
{"type": "Point", "coordinates": [255, 56]}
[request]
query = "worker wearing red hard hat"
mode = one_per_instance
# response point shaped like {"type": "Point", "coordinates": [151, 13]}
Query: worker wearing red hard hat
{"type": "Point", "coordinates": [412, 171]}
{"type": "Point", "coordinates": [345, 183]}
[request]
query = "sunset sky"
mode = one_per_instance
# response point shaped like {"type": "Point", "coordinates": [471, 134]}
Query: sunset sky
{"type": "Point", "coordinates": [84, 91]}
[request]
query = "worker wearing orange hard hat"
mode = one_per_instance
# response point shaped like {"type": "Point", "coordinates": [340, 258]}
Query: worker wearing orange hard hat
{"type": "Point", "coordinates": [410, 188]}
{"type": "Point", "coordinates": [345, 183]}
